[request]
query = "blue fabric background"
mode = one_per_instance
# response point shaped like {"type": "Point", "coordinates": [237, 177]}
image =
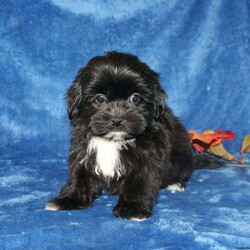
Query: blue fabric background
{"type": "Point", "coordinates": [202, 51]}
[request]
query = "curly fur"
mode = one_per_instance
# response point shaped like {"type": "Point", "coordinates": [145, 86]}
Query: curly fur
{"type": "Point", "coordinates": [126, 147]}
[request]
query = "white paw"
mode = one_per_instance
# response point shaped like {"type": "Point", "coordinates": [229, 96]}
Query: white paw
{"type": "Point", "coordinates": [138, 219]}
{"type": "Point", "coordinates": [51, 207]}
{"type": "Point", "coordinates": [176, 187]}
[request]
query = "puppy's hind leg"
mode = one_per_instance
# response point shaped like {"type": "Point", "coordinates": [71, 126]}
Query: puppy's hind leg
{"type": "Point", "coordinates": [179, 183]}
{"type": "Point", "coordinates": [79, 192]}
{"type": "Point", "coordinates": [177, 186]}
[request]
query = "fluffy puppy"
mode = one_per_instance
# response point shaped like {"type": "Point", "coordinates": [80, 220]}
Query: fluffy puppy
{"type": "Point", "coordinates": [125, 140]}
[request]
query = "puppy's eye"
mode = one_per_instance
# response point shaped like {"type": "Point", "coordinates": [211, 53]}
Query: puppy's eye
{"type": "Point", "coordinates": [135, 98]}
{"type": "Point", "coordinates": [100, 98]}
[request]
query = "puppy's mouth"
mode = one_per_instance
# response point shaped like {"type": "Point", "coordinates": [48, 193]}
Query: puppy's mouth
{"type": "Point", "coordinates": [117, 136]}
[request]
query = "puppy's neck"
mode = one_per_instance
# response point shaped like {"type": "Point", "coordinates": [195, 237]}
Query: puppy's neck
{"type": "Point", "coordinates": [108, 158]}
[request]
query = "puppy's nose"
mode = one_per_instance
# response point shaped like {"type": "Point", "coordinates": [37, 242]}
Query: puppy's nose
{"type": "Point", "coordinates": [117, 122]}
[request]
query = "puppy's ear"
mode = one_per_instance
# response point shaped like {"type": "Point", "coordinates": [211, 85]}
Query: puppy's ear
{"type": "Point", "coordinates": [74, 98]}
{"type": "Point", "coordinates": [160, 97]}
{"type": "Point", "coordinates": [74, 95]}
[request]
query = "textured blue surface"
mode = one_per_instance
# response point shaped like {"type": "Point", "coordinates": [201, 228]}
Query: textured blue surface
{"type": "Point", "coordinates": [202, 51]}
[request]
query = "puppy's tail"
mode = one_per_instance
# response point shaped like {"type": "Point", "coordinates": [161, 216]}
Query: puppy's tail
{"type": "Point", "coordinates": [206, 162]}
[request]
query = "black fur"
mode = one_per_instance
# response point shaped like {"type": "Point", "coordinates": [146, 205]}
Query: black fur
{"type": "Point", "coordinates": [160, 154]}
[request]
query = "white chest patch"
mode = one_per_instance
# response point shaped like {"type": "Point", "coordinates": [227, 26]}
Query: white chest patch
{"type": "Point", "coordinates": [108, 160]}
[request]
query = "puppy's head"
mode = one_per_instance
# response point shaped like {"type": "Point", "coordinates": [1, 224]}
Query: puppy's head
{"type": "Point", "coordinates": [116, 97]}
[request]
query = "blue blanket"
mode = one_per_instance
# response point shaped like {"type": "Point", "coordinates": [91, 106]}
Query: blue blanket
{"type": "Point", "coordinates": [202, 51]}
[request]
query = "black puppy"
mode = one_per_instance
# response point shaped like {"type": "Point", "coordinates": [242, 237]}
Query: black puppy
{"type": "Point", "coordinates": [125, 139]}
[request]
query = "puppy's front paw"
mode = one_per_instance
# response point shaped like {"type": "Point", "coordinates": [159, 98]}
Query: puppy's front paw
{"type": "Point", "coordinates": [131, 211]}
{"type": "Point", "coordinates": [65, 203]}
